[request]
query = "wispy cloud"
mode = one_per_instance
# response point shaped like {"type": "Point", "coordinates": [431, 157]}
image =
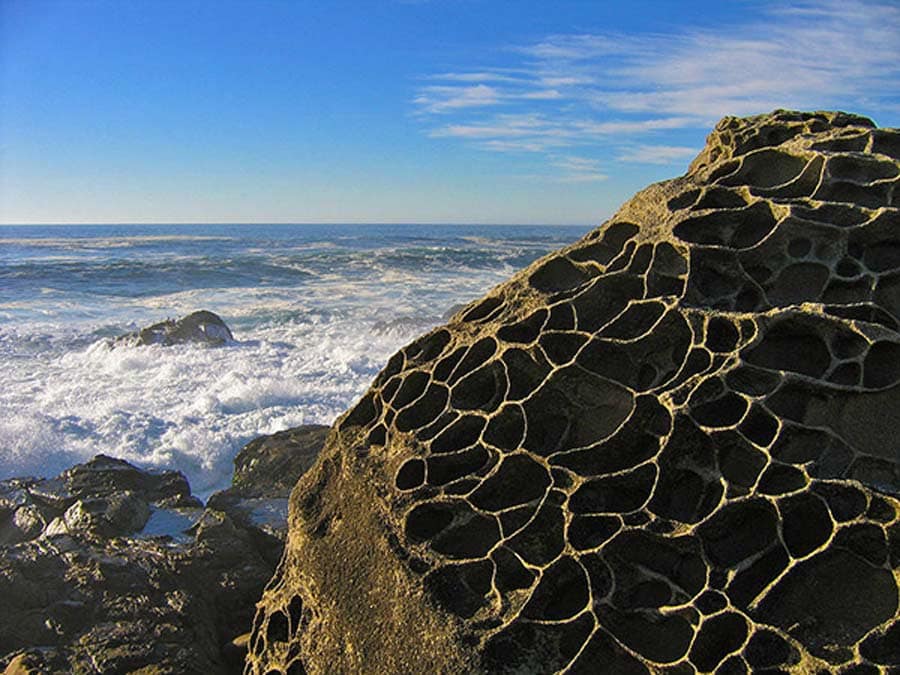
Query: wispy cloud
{"type": "Point", "coordinates": [621, 96]}
{"type": "Point", "coordinates": [657, 154]}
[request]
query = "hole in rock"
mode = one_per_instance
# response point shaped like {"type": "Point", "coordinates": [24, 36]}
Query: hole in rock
{"type": "Point", "coordinates": [806, 524]}
{"type": "Point", "coordinates": [766, 168]}
{"type": "Point", "coordinates": [525, 330]}
{"type": "Point", "coordinates": [443, 469]}
{"type": "Point", "coordinates": [737, 531]}
{"type": "Point", "coordinates": [428, 347]}
{"type": "Point", "coordinates": [483, 309]}
{"type": "Point", "coordinates": [719, 636]}
{"type": "Point", "coordinates": [683, 200]}
{"type": "Point", "coordinates": [412, 387]}
{"type": "Point", "coordinates": [506, 430]}
{"type": "Point", "coordinates": [445, 366]}
{"type": "Point", "coordinates": [477, 355]}
{"type": "Point", "coordinates": [562, 317]}
{"type": "Point", "coordinates": [561, 347]}
{"type": "Point", "coordinates": [473, 537]}
{"type": "Point", "coordinates": [587, 532]}
{"type": "Point", "coordinates": [561, 593]}
{"type": "Point", "coordinates": [541, 541]}
{"type": "Point", "coordinates": [830, 600]}
{"type": "Point", "coordinates": [800, 282]}
{"type": "Point", "coordinates": [778, 479]}
{"type": "Point", "coordinates": [518, 480]}
{"type": "Point", "coordinates": [847, 267]}
{"type": "Point", "coordinates": [605, 299]}
{"type": "Point", "coordinates": [482, 389]}
{"type": "Point", "coordinates": [881, 367]}
{"type": "Point", "coordinates": [295, 611]}
{"type": "Point", "coordinates": [752, 580]}
{"type": "Point", "coordinates": [461, 434]}
{"type": "Point", "coordinates": [635, 321]}
{"type": "Point", "coordinates": [558, 274]}
{"type": "Point", "coordinates": [277, 630]}
{"type": "Point", "coordinates": [411, 475]}
{"type": "Point", "coordinates": [759, 426]}
{"type": "Point", "coordinates": [460, 589]}
{"type": "Point", "coordinates": [883, 648]}
{"type": "Point", "coordinates": [363, 414]}
{"type": "Point", "coordinates": [722, 412]}
{"type": "Point", "coordinates": [511, 573]}
{"type": "Point", "coordinates": [641, 260]}
{"type": "Point", "coordinates": [518, 647]}
{"type": "Point", "coordinates": [424, 521]}
{"type": "Point", "coordinates": [752, 381]}
{"type": "Point", "coordinates": [711, 602]}
{"type": "Point", "coordinates": [740, 463]}
{"type": "Point", "coordinates": [846, 374]}
{"type": "Point", "coordinates": [844, 501]}
{"type": "Point", "coordinates": [797, 248]}
{"type": "Point", "coordinates": [655, 637]}
{"type": "Point", "coordinates": [793, 346]}
{"type": "Point", "coordinates": [425, 410]}
{"type": "Point", "coordinates": [880, 510]}
{"type": "Point", "coordinates": [720, 198]}
{"type": "Point", "coordinates": [615, 494]}
{"type": "Point", "coordinates": [525, 373]}
{"type": "Point", "coordinates": [767, 649]}
{"type": "Point", "coordinates": [865, 540]}
{"type": "Point", "coordinates": [721, 335]}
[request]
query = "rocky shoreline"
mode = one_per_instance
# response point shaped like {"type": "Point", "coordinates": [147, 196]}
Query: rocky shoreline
{"type": "Point", "coordinates": [112, 568]}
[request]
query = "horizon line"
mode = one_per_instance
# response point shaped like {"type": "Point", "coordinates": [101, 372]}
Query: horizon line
{"type": "Point", "coordinates": [301, 223]}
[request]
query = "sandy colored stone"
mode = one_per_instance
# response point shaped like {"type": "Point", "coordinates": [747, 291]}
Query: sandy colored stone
{"type": "Point", "coordinates": [668, 447]}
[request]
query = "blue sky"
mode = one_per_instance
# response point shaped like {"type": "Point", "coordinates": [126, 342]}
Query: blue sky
{"type": "Point", "coordinates": [465, 111]}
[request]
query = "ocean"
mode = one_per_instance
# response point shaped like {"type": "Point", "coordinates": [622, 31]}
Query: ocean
{"type": "Point", "coordinates": [316, 311]}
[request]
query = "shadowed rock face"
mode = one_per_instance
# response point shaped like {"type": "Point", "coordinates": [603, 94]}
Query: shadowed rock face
{"type": "Point", "coordinates": [668, 447]}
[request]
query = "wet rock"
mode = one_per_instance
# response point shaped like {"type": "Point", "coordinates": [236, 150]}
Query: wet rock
{"type": "Point", "coordinates": [199, 328]}
{"type": "Point", "coordinates": [668, 447]}
{"type": "Point", "coordinates": [111, 568]}
{"type": "Point", "coordinates": [265, 472]}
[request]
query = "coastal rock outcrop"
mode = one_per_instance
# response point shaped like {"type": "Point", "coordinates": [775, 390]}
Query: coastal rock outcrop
{"type": "Point", "coordinates": [668, 447]}
{"type": "Point", "coordinates": [109, 568]}
{"type": "Point", "coordinates": [198, 327]}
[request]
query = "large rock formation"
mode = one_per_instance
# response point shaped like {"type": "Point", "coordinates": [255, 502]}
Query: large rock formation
{"type": "Point", "coordinates": [668, 447]}
{"type": "Point", "coordinates": [109, 568]}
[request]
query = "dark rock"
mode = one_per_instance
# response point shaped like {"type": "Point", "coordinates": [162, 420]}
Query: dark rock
{"type": "Point", "coordinates": [265, 472]}
{"type": "Point", "coordinates": [668, 447]}
{"type": "Point", "coordinates": [199, 328]}
{"type": "Point", "coordinates": [110, 568]}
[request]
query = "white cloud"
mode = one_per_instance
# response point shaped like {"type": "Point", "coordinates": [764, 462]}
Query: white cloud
{"type": "Point", "coordinates": [620, 96]}
{"type": "Point", "coordinates": [658, 154]}
{"type": "Point", "coordinates": [441, 99]}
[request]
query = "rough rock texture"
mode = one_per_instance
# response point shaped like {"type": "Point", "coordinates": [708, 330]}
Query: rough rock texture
{"type": "Point", "coordinates": [265, 472]}
{"type": "Point", "coordinates": [199, 327]}
{"type": "Point", "coordinates": [111, 569]}
{"type": "Point", "coordinates": [669, 447]}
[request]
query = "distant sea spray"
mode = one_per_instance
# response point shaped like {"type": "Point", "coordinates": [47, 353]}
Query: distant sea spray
{"type": "Point", "coordinates": [316, 311]}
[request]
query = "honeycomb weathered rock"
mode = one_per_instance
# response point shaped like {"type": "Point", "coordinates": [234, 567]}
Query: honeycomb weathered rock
{"type": "Point", "coordinates": [669, 447]}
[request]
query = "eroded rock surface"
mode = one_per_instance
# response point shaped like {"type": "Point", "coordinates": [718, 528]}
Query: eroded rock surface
{"type": "Point", "coordinates": [198, 327]}
{"type": "Point", "coordinates": [108, 568]}
{"type": "Point", "coordinates": [669, 447]}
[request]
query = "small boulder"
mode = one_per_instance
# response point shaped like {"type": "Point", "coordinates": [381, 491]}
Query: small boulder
{"type": "Point", "coordinates": [198, 328]}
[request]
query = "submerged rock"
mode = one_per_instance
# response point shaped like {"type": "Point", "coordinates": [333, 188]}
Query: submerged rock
{"type": "Point", "coordinates": [199, 328]}
{"type": "Point", "coordinates": [109, 568]}
{"type": "Point", "coordinates": [668, 447]}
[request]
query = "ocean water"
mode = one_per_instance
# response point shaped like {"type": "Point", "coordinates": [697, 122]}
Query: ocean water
{"type": "Point", "coordinates": [316, 311]}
